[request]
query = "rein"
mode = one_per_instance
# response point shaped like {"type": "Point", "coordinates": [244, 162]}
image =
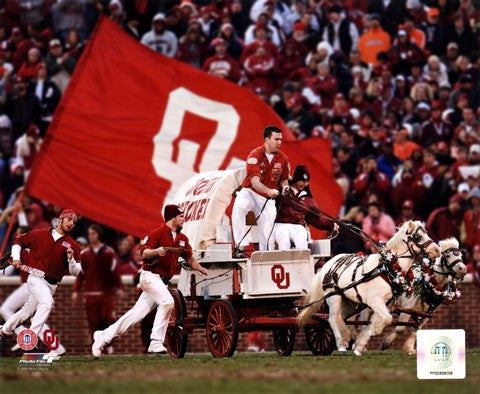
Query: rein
{"type": "Point", "coordinates": [350, 227]}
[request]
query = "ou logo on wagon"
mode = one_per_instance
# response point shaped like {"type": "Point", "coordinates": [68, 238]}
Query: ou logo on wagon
{"type": "Point", "coordinates": [279, 276]}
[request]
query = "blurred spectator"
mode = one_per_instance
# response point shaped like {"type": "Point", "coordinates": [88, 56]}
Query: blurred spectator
{"type": "Point", "coordinates": [297, 112]}
{"type": "Point", "coordinates": [31, 11]}
{"type": "Point", "coordinates": [444, 222]}
{"type": "Point", "coordinates": [407, 213]}
{"type": "Point", "coordinates": [347, 241]}
{"type": "Point", "coordinates": [435, 129]}
{"type": "Point", "coordinates": [260, 40]}
{"type": "Point", "coordinates": [378, 225]}
{"type": "Point", "coordinates": [60, 65]}
{"type": "Point", "coordinates": [340, 32]}
{"type": "Point", "coordinates": [6, 142]}
{"type": "Point", "coordinates": [28, 70]}
{"type": "Point", "coordinates": [461, 33]}
{"type": "Point", "coordinates": [159, 39]}
{"type": "Point", "coordinates": [69, 15]}
{"type": "Point", "coordinates": [259, 68]}
{"type": "Point", "coordinates": [371, 180]}
{"type": "Point", "coordinates": [404, 53]}
{"type": "Point", "coordinates": [387, 162]}
{"type": "Point", "coordinates": [48, 95]}
{"type": "Point", "coordinates": [435, 70]}
{"type": "Point", "coordinates": [234, 44]}
{"type": "Point", "coordinates": [434, 32]}
{"type": "Point", "coordinates": [470, 227]}
{"type": "Point", "coordinates": [26, 149]}
{"type": "Point", "coordinates": [221, 64]}
{"type": "Point", "coordinates": [414, 34]}
{"type": "Point", "coordinates": [408, 188]}
{"type": "Point", "coordinates": [34, 214]}
{"type": "Point", "coordinates": [23, 108]}
{"type": "Point", "coordinates": [403, 147]}
{"type": "Point", "coordinates": [101, 282]}
{"type": "Point", "coordinates": [192, 48]}
{"type": "Point", "coordinates": [372, 42]}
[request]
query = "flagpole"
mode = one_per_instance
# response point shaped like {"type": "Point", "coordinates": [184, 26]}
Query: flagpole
{"type": "Point", "coordinates": [13, 219]}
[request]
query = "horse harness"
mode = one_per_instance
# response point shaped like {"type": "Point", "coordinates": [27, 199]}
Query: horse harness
{"type": "Point", "coordinates": [384, 269]}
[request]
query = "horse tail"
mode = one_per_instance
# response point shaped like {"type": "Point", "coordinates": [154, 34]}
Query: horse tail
{"type": "Point", "coordinates": [316, 294]}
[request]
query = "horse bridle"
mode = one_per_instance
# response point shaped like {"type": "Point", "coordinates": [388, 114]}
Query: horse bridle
{"type": "Point", "coordinates": [415, 238]}
{"type": "Point", "coordinates": [449, 267]}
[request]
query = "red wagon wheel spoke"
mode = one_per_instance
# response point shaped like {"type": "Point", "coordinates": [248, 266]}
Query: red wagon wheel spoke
{"type": "Point", "coordinates": [320, 339]}
{"type": "Point", "coordinates": [222, 329]}
{"type": "Point", "coordinates": [284, 341]}
{"type": "Point", "coordinates": [177, 337]}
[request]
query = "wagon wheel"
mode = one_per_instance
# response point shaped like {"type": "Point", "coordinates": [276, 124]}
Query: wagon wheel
{"type": "Point", "coordinates": [284, 341]}
{"type": "Point", "coordinates": [320, 338]}
{"type": "Point", "coordinates": [176, 338]}
{"type": "Point", "coordinates": [222, 329]}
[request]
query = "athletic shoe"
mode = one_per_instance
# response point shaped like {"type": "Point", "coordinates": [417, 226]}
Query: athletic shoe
{"type": "Point", "coordinates": [60, 350]}
{"type": "Point", "coordinates": [157, 348]}
{"type": "Point", "coordinates": [98, 343]}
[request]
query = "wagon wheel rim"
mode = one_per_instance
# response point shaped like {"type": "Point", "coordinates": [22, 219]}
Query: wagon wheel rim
{"type": "Point", "coordinates": [284, 341]}
{"type": "Point", "coordinates": [320, 339]}
{"type": "Point", "coordinates": [177, 337]}
{"type": "Point", "coordinates": [222, 329]}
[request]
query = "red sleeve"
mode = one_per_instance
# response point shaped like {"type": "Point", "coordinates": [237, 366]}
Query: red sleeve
{"type": "Point", "coordinates": [253, 164]}
{"type": "Point", "coordinates": [286, 169]}
{"type": "Point", "coordinates": [24, 240]}
{"type": "Point", "coordinates": [117, 276]}
{"type": "Point", "coordinates": [314, 218]}
{"type": "Point", "coordinates": [150, 241]}
{"type": "Point", "coordinates": [77, 285]}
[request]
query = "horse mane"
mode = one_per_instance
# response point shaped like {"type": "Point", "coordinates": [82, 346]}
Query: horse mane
{"type": "Point", "coordinates": [448, 243]}
{"type": "Point", "coordinates": [396, 243]}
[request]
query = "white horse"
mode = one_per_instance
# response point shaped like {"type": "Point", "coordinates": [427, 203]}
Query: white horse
{"type": "Point", "coordinates": [434, 284]}
{"type": "Point", "coordinates": [358, 279]}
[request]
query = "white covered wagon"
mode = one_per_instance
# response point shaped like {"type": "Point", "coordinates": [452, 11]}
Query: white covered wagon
{"type": "Point", "coordinates": [238, 295]}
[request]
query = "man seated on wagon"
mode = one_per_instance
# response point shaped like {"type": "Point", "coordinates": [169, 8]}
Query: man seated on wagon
{"type": "Point", "coordinates": [296, 210]}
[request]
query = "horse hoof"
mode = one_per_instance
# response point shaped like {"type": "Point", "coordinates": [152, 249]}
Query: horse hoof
{"type": "Point", "coordinates": [342, 349]}
{"type": "Point", "coordinates": [357, 352]}
{"type": "Point", "coordinates": [384, 345]}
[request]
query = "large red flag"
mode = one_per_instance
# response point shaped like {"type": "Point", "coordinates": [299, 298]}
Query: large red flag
{"type": "Point", "coordinates": [134, 125]}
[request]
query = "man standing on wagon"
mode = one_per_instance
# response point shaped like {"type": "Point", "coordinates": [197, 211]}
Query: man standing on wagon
{"type": "Point", "coordinates": [267, 174]}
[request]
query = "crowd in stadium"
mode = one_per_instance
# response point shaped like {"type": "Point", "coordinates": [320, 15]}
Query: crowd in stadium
{"type": "Point", "coordinates": [393, 84]}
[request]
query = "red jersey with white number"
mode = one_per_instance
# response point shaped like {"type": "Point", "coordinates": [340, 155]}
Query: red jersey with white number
{"type": "Point", "coordinates": [166, 265]}
{"type": "Point", "coordinates": [271, 174]}
{"type": "Point", "coordinates": [46, 254]}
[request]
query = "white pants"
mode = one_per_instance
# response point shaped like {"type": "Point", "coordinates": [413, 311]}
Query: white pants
{"type": "Point", "coordinates": [155, 295]}
{"type": "Point", "coordinates": [247, 200]}
{"type": "Point", "coordinates": [40, 299]}
{"type": "Point", "coordinates": [286, 233]}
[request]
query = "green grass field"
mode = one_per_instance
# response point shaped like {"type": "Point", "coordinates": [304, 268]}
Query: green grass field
{"type": "Point", "coordinates": [375, 372]}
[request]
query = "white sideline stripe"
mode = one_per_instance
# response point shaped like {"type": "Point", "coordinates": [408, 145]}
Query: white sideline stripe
{"type": "Point", "coordinates": [69, 280]}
